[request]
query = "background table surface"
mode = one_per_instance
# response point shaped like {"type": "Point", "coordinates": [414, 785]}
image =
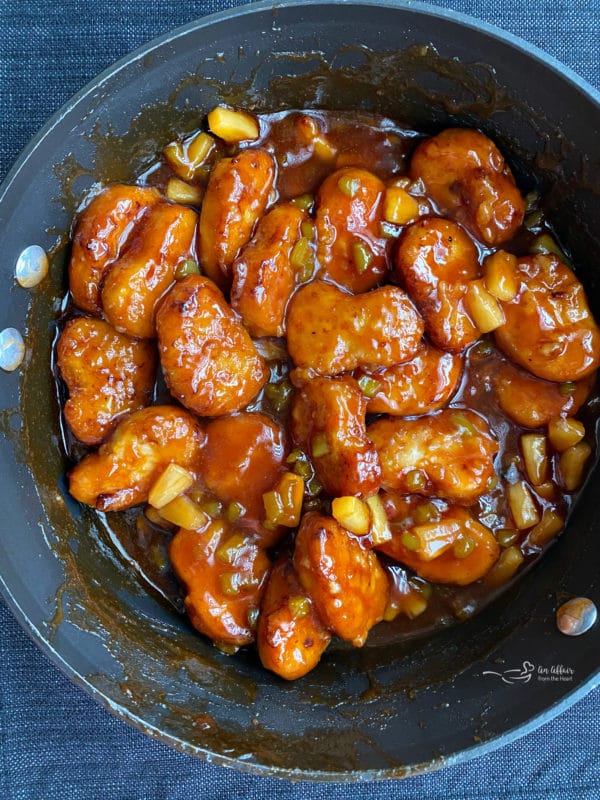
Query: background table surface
{"type": "Point", "coordinates": [55, 741]}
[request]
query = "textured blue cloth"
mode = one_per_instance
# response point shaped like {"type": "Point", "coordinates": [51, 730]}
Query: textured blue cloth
{"type": "Point", "coordinates": [55, 741]}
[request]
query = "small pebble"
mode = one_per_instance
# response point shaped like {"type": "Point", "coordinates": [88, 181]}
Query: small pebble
{"type": "Point", "coordinates": [576, 616]}
{"type": "Point", "coordinates": [12, 349]}
{"type": "Point", "coordinates": [32, 266]}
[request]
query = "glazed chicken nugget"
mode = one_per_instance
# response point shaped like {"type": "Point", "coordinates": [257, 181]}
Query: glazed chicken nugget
{"type": "Point", "coordinates": [467, 177]}
{"type": "Point", "coordinates": [454, 548]}
{"type": "Point", "coordinates": [291, 637]}
{"type": "Point", "coordinates": [533, 402]}
{"type": "Point", "coordinates": [264, 277]}
{"type": "Point", "coordinates": [425, 383]}
{"type": "Point", "coordinates": [243, 458]}
{"type": "Point", "coordinates": [102, 230]}
{"type": "Point", "coordinates": [549, 327]}
{"type": "Point", "coordinates": [328, 423]}
{"type": "Point", "coordinates": [345, 581]}
{"type": "Point", "coordinates": [107, 374]}
{"type": "Point", "coordinates": [351, 249]}
{"type": "Point", "coordinates": [140, 277]}
{"type": "Point", "coordinates": [448, 454]}
{"type": "Point", "coordinates": [224, 572]}
{"type": "Point", "coordinates": [236, 196]}
{"type": "Point", "coordinates": [330, 331]}
{"type": "Point", "coordinates": [122, 472]}
{"type": "Point", "coordinates": [209, 361]}
{"type": "Point", "coordinates": [435, 260]}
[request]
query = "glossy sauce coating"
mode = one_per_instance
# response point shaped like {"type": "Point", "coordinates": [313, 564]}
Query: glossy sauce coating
{"type": "Point", "coordinates": [291, 637]}
{"type": "Point", "coordinates": [532, 402]}
{"type": "Point", "coordinates": [435, 260]}
{"type": "Point", "coordinates": [120, 474]}
{"type": "Point", "coordinates": [345, 581]}
{"type": "Point", "coordinates": [140, 277]}
{"type": "Point", "coordinates": [103, 228]}
{"type": "Point", "coordinates": [236, 196]}
{"type": "Point", "coordinates": [446, 567]}
{"type": "Point", "coordinates": [107, 374]}
{"type": "Point", "coordinates": [208, 359]}
{"type": "Point", "coordinates": [224, 574]}
{"type": "Point", "coordinates": [452, 450]}
{"type": "Point", "coordinates": [243, 458]}
{"type": "Point", "coordinates": [425, 383]}
{"type": "Point", "coordinates": [466, 176]}
{"type": "Point", "coordinates": [328, 421]}
{"type": "Point", "coordinates": [353, 141]}
{"type": "Point", "coordinates": [349, 215]}
{"type": "Point", "coordinates": [330, 331]}
{"type": "Point", "coordinates": [403, 354]}
{"type": "Point", "coordinates": [549, 328]}
{"type": "Point", "coordinates": [263, 276]}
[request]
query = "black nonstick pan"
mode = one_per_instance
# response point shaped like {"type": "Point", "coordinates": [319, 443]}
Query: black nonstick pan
{"type": "Point", "coordinates": [395, 707]}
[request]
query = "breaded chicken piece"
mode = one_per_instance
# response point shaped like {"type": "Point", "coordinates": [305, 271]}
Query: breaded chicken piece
{"type": "Point", "coordinates": [344, 580]}
{"type": "Point", "coordinates": [236, 196]}
{"type": "Point", "coordinates": [549, 328]}
{"type": "Point", "coordinates": [467, 177]}
{"type": "Point", "coordinates": [209, 361]}
{"type": "Point", "coordinates": [138, 279]}
{"type": "Point", "coordinates": [263, 276]}
{"type": "Point", "coordinates": [291, 637]}
{"type": "Point", "coordinates": [224, 572]}
{"type": "Point", "coordinates": [453, 548]}
{"type": "Point", "coordinates": [330, 331]}
{"type": "Point", "coordinates": [328, 423]}
{"type": "Point", "coordinates": [121, 473]}
{"type": "Point", "coordinates": [351, 249]}
{"type": "Point", "coordinates": [435, 260]}
{"type": "Point", "coordinates": [449, 454]}
{"type": "Point", "coordinates": [425, 383]}
{"type": "Point", "coordinates": [103, 229]}
{"type": "Point", "coordinates": [107, 374]}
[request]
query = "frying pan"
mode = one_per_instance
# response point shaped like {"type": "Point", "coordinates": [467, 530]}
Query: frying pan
{"type": "Point", "coordinates": [394, 707]}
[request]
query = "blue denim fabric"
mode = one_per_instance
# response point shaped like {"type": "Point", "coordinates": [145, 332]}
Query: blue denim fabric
{"type": "Point", "coordinates": [55, 742]}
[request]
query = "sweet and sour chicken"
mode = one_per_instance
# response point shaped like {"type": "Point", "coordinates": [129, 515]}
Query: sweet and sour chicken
{"type": "Point", "coordinates": [327, 362]}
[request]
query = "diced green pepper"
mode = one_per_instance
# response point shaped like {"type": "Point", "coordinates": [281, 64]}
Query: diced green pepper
{"type": "Point", "coordinates": [187, 267]}
{"type": "Point", "coordinates": [368, 385]}
{"type": "Point", "coordinates": [349, 185]}
{"type": "Point", "coordinates": [362, 257]}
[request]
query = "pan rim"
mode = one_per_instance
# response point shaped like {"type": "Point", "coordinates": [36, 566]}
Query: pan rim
{"type": "Point", "coordinates": [39, 637]}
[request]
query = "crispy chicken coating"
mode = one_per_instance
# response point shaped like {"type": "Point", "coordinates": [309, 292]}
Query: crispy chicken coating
{"type": "Point", "coordinates": [328, 422]}
{"type": "Point", "coordinates": [122, 472]}
{"type": "Point", "coordinates": [345, 581]}
{"type": "Point", "coordinates": [435, 260]}
{"type": "Point", "coordinates": [209, 362]}
{"type": "Point", "coordinates": [103, 229]}
{"type": "Point", "coordinates": [236, 196]}
{"type": "Point", "coordinates": [291, 637]}
{"type": "Point", "coordinates": [425, 383]}
{"type": "Point", "coordinates": [533, 402]}
{"type": "Point", "coordinates": [330, 331]}
{"type": "Point", "coordinates": [264, 277]}
{"type": "Point", "coordinates": [107, 374]}
{"type": "Point", "coordinates": [448, 454]}
{"type": "Point", "coordinates": [139, 278]}
{"type": "Point", "coordinates": [454, 548]}
{"type": "Point", "coordinates": [467, 177]}
{"type": "Point", "coordinates": [224, 572]}
{"type": "Point", "coordinates": [351, 249]}
{"type": "Point", "coordinates": [243, 458]}
{"type": "Point", "coordinates": [549, 327]}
